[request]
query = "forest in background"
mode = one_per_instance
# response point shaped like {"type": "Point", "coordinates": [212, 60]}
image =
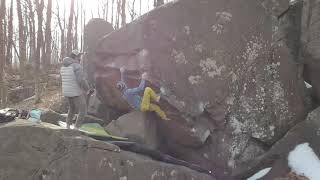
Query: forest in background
{"type": "Point", "coordinates": [35, 35]}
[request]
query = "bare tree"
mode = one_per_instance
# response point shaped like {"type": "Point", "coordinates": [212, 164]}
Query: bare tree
{"type": "Point", "coordinates": [32, 31]}
{"type": "Point", "coordinates": [2, 53]}
{"type": "Point", "coordinates": [62, 35]}
{"type": "Point", "coordinates": [132, 11]}
{"type": "Point", "coordinates": [5, 24]}
{"type": "Point", "coordinates": [76, 27]}
{"type": "Point", "coordinates": [22, 38]}
{"type": "Point", "coordinates": [26, 30]}
{"type": "Point", "coordinates": [117, 25]}
{"type": "Point", "coordinates": [39, 6]}
{"type": "Point", "coordinates": [83, 27]}
{"type": "Point", "coordinates": [123, 13]}
{"type": "Point", "coordinates": [140, 8]}
{"type": "Point", "coordinates": [107, 10]}
{"type": "Point", "coordinates": [158, 3]}
{"type": "Point", "coordinates": [70, 24]}
{"type": "Point", "coordinates": [10, 35]}
{"type": "Point", "coordinates": [112, 5]}
{"type": "Point", "coordinates": [48, 36]}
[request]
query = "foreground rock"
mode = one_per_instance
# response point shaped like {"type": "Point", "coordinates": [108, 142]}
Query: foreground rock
{"type": "Point", "coordinates": [38, 152]}
{"type": "Point", "coordinates": [304, 132]}
{"type": "Point", "coordinates": [138, 127]}
{"type": "Point", "coordinates": [310, 44]}
{"type": "Point", "coordinates": [227, 69]}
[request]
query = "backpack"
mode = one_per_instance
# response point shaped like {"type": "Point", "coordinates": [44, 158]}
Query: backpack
{"type": "Point", "coordinates": [8, 114]}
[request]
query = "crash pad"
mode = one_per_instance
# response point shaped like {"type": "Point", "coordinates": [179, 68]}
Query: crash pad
{"type": "Point", "coordinates": [94, 130]}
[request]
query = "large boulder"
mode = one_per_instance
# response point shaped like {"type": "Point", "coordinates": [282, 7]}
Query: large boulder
{"type": "Point", "coordinates": [137, 126]}
{"type": "Point", "coordinates": [225, 66]}
{"type": "Point", "coordinates": [100, 110]}
{"type": "Point", "coordinates": [45, 151]}
{"type": "Point", "coordinates": [310, 45]}
{"type": "Point", "coordinates": [95, 29]}
{"type": "Point", "coordinates": [304, 132]}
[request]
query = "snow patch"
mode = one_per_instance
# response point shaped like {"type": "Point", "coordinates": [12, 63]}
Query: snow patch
{"type": "Point", "coordinates": [304, 161]}
{"type": "Point", "coordinates": [308, 85]}
{"type": "Point", "coordinates": [260, 174]}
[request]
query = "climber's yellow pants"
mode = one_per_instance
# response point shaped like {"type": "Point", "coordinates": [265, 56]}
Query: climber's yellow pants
{"type": "Point", "coordinates": [146, 104]}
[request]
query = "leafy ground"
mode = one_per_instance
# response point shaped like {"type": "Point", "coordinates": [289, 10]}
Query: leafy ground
{"type": "Point", "coordinates": [48, 98]}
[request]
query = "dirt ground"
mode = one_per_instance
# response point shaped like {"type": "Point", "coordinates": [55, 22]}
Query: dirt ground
{"type": "Point", "coordinates": [48, 98]}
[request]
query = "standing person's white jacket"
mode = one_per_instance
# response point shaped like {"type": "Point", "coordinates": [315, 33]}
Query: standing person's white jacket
{"type": "Point", "coordinates": [73, 80]}
{"type": "Point", "coordinates": [74, 88]}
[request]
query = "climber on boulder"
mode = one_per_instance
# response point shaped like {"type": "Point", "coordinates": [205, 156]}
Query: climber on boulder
{"type": "Point", "coordinates": [131, 95]}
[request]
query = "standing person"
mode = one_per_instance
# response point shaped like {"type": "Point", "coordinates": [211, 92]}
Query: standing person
{"type": "Point", "coordinates": [131, 95]}
{"type": "Point", "coordinates": [74, 87]}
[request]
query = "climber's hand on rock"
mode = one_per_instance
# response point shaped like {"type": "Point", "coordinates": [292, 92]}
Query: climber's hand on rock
{"type": "Point", "coordinates": [122, 69]}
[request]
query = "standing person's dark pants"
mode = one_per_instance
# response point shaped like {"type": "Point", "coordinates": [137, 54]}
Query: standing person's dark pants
{"type": "Point", "coordinates": [77, 103]}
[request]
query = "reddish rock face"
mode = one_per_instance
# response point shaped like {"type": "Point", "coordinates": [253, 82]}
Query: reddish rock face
{"type": "Point", "coordinates": [222, 65]}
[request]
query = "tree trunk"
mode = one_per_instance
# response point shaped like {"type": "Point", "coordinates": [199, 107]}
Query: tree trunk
{"type": "Point", "coordinates": [2, 54]}
{"type": "Point", "coordinates": [32, 34]}
{"type": "Point", "coordinates": [140, 8]}
{"type": "Point", "coordinates": [5, 37]}
{"type": "Point", "coordinates": [10, 36]}
{"type": "Point", "coordinates": [22, 39]}
{"type": "Point", "coordinates": [76, 28]}
{"type": "Point", "coordinates": [48, 36]}
{"type": "Point", "coordinates": [118, 14]}
{"type": "Point", "coordinates": [26, 30]}
{"type": "Point", "coordinates": [158, 3]}
{"type": "Point", "coordinates": [107, 10]}
{"type": "Point", "coordinates": [83, 27]}
{"type": "Point", "coordinates": [39, 6]}
{"type": "Point", "coordinates": [112, 5]}
{"type": "Point", "coordinates": [123, 13]}
{"type": "Point", "coordinates": [69, 35]}
{"type": "Point", "coordinates": [62, 35]}
{"type": "Point", "coordinates": [132, 10]}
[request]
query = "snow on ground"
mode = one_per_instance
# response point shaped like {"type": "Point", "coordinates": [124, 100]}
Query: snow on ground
{"type": "Point", "coordinates": [307, 85]}
{"type": "Point", "coordinates": [260, 174]}
{"type": "Point", "coordinates": [303, 161]}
